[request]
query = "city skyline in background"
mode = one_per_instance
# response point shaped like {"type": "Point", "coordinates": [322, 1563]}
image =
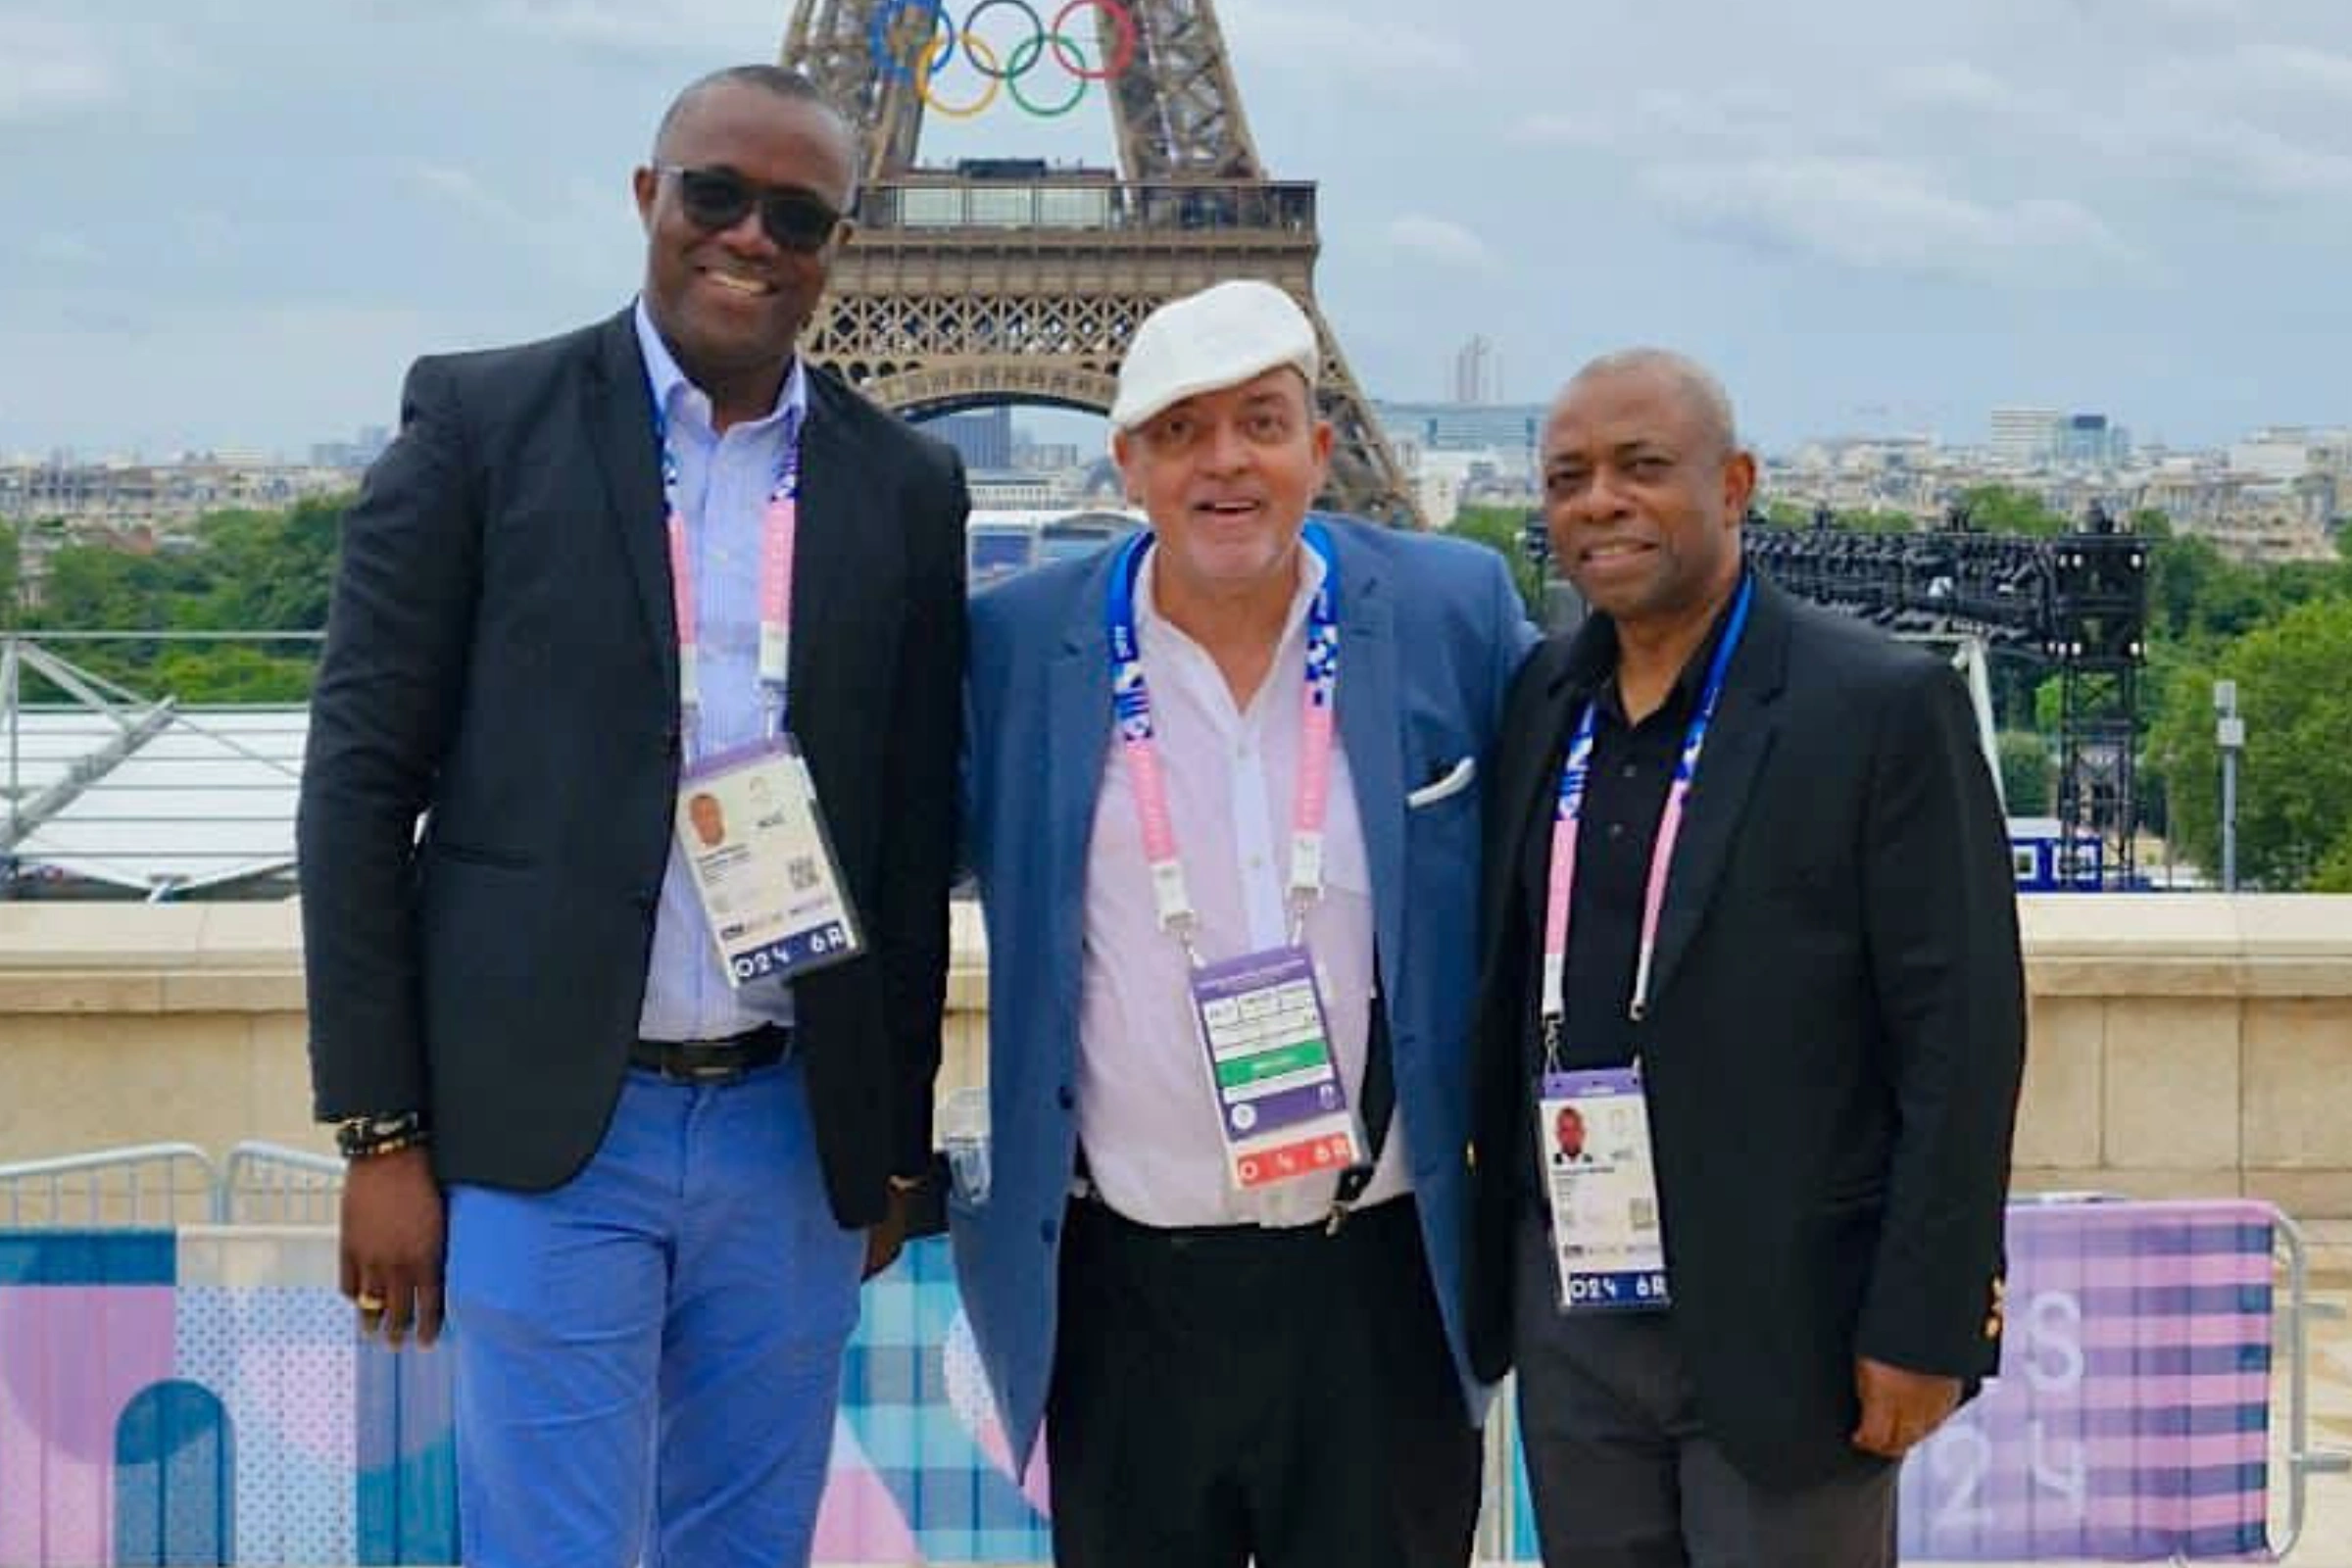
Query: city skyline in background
{"type": "Point", "coordinates": [1868, 222]}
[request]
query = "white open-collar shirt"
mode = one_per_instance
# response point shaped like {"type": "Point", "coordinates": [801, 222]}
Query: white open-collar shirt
{"type": "Point", "coordinates": [1146, 1116]}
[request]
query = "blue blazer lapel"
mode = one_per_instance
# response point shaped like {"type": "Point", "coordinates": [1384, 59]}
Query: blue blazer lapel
{"type": "Point", "coordinates": [1373, 737]}
{"type": "Point", "coordinates": [1077, 741]}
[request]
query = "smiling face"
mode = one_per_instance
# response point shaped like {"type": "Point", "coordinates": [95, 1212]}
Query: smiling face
{"type": "Point", "coordinates": [1643, 493]}
{"type": "Point", "coordinates": [1226, 478]}
{"type": "Point", "coordinates": [730, 302]}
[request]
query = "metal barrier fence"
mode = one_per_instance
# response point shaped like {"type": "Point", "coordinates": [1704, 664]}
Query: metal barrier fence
{"type": "Point", "coordinates": [2303, 1460]}
{"type": "Point", "coordinates": [167, 1185]}
{"type": "Point", "coordinates": [264, 1184]}
{"type": "Point", "coordinates": [144, 1185]}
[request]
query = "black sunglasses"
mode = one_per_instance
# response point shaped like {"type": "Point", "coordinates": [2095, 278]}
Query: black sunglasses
{"type": "Point", "coordinates": [718, 198]}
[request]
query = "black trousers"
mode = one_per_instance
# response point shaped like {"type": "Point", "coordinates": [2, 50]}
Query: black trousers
{"type": "Point", "coordinates": [1624, 1473]}
{"type": "Point", "coordinates": [1223, 1396]}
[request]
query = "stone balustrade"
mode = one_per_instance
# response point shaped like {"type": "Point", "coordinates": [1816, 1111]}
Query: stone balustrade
{"type": "Point", "coordinates": [2182, 1046]}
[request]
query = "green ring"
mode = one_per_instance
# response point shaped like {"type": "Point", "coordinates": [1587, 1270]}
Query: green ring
{"type": "Point", "coordinates": [1024, 56]}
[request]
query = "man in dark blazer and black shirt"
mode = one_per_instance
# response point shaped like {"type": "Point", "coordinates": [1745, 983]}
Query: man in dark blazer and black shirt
{"type": "Point", "coordinates": [1829, 1032]}
{"type": "Point", "coordinates": [662, 1186]}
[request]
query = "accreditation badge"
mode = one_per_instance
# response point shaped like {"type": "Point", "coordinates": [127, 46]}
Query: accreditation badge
{"type": "Point", "coordinates": [1593, 1139]}
{"type": "Point", "coordinates": [753, 837]}
{"type": "Point", "coordinates": [1281, 1105]}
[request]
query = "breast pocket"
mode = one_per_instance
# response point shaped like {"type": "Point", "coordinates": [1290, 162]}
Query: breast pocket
{"type": "Point", "coordinates": [1441, 817]}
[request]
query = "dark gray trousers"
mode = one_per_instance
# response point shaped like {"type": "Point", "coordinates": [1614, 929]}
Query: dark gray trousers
{"type": "Point", "coordinates": [1625, 1475]}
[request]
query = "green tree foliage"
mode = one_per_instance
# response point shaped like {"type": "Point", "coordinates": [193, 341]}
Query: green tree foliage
{"type": "Point", "coordinates": [2027, 784]}
{"type": "Point", "coordinates": [2294, 819]}
{"type": "Point", "coordinates": [2198, 596]}
{"type": "Point", "coordinates": [1786, 513]}
{"type": "Point", "coordinates": [2000, 509]}
{"type": "Point", "coordinates": [12, 566]}
{"type": "Point", "coordinates": [1501, 530]}
{"type": "Point", "coordinates": [243, 571]}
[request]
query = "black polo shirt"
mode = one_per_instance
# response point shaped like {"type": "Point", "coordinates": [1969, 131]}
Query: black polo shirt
{"type": "Point", "coordinates": [1625, 796]}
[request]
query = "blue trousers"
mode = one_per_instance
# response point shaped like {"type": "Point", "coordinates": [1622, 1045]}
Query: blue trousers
{"type": "Point", "coordinates": [648, 1358]}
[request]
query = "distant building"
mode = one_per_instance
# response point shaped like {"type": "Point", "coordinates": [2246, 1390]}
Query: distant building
{"type": "Point", "coordinates": [353, 456]}
{"type": "Point", "coordinates": [1045, 457]}
{"type": "Point", "coordinates": [1015, 490]}
{"type": "Point", "coordinates": [2288, 452]}
{"type": "Point", "coordinates": [1510, 429]}
{"type": "Point", "coordinates": [1478, 374]}
{"type": "Point", "coordinates": [984, 436]}
{"type": "Point", "coordinates": [2091, 441]}
{"type": "Point", "coordinates": [2025, 438]}
{"type": "Point", "coordinates": [127, 495]}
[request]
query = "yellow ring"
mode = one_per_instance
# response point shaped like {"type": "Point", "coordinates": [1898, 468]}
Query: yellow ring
{"type": "Point", "coordinates": [370, 1304]}
{"type": "Point", "coordinates": [926, 71]}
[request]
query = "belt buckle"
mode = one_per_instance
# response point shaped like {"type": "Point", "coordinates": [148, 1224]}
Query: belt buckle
{"type": "Point", "coordinates": [708, 1074]}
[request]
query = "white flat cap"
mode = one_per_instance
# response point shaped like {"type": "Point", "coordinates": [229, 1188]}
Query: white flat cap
{"type": "Point", "coordinates": [1220, 337]}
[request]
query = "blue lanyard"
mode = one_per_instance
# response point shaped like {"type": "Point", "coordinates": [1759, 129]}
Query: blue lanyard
{"type": "Point", "coordinates": [1567, 821]}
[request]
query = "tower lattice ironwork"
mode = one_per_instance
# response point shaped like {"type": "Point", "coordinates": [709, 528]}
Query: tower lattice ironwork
{"type": "Point", "coordinates": [1004, 280]}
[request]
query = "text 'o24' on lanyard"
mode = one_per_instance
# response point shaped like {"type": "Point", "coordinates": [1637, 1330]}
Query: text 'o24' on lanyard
{"type": "Point", "coordinates": [780, 533]}
{"type": "Point", "coordinates": [1131, 703]}
{"type": "Point", "coordinates": [1567, 823]}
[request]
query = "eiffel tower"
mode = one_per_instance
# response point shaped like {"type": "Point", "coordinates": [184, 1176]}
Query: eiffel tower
{"type": "Point", "coordinates": [1002, 281]}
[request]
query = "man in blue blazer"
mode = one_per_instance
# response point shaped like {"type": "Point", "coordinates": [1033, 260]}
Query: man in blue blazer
{"type": "Point", "coordinates": [1232, 933]}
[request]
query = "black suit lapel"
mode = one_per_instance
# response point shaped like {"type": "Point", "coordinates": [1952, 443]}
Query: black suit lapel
{"type": "Point", "coordinates": [1738, 744]}
{"type": "Point", "coordinates": [834, 568]}
{"type": "Point", "coordinates": [620, 432]}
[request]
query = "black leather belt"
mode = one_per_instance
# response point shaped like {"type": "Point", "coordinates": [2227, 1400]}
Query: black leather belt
{"type": "Point", "coordinates": [714, 1062]}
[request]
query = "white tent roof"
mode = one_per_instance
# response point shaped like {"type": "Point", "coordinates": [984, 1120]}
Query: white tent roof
{"type": "Point", "coordinates": [208, 799]}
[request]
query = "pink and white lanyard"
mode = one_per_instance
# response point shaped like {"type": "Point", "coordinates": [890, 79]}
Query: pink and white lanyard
{"type": "Point", "coordinates": [1566, 824]}
{"type": "Point", "coordinates": [778, 537]}
{"type": "Point", "coordinates": [1131, 706]}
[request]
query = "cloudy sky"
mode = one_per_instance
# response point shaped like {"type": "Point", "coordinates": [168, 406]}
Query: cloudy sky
{"type": "Point", "coordinates": [232, 225]}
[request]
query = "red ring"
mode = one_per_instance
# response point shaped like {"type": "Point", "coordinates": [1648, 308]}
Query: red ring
{"type": "Point", "coordinates": [1114, 63]}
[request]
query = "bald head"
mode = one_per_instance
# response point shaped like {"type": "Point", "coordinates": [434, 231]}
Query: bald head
{"type": "Point", "coordinates": [1689, 385]}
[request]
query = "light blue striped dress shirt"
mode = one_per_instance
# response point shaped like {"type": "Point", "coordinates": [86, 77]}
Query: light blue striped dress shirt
{"type": "Point", "coordinates": [723, 485]}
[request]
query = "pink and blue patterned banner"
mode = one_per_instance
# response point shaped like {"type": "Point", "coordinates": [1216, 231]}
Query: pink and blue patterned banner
{"type": "Point", "coordinates": [2130, 1419]}
{"type": "Point", "coordinates": [201, 1396]}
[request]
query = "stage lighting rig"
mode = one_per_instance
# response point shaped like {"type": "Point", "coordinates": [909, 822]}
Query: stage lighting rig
{"type": "Point", "coordinates": [2077, 602]}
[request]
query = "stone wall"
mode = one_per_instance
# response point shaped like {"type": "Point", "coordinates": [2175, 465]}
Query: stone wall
{"type": "Point", "coordinates": [2181, 1045]}
{"type": "Point", "coordinates": [2192, 1046]}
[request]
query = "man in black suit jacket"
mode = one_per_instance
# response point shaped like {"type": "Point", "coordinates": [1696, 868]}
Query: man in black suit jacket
{"type": "Point", "coordinates": [1829, 1028]}
{"type": "Point", "coordinates": [662, 1186]}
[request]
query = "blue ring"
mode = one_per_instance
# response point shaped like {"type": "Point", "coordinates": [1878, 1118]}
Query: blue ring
{"type": "Point", "coordinates": [886, 16]}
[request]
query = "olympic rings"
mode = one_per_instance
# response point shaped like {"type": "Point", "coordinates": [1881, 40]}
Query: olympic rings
{"type": "Point", "coordinates": [942, 38]}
